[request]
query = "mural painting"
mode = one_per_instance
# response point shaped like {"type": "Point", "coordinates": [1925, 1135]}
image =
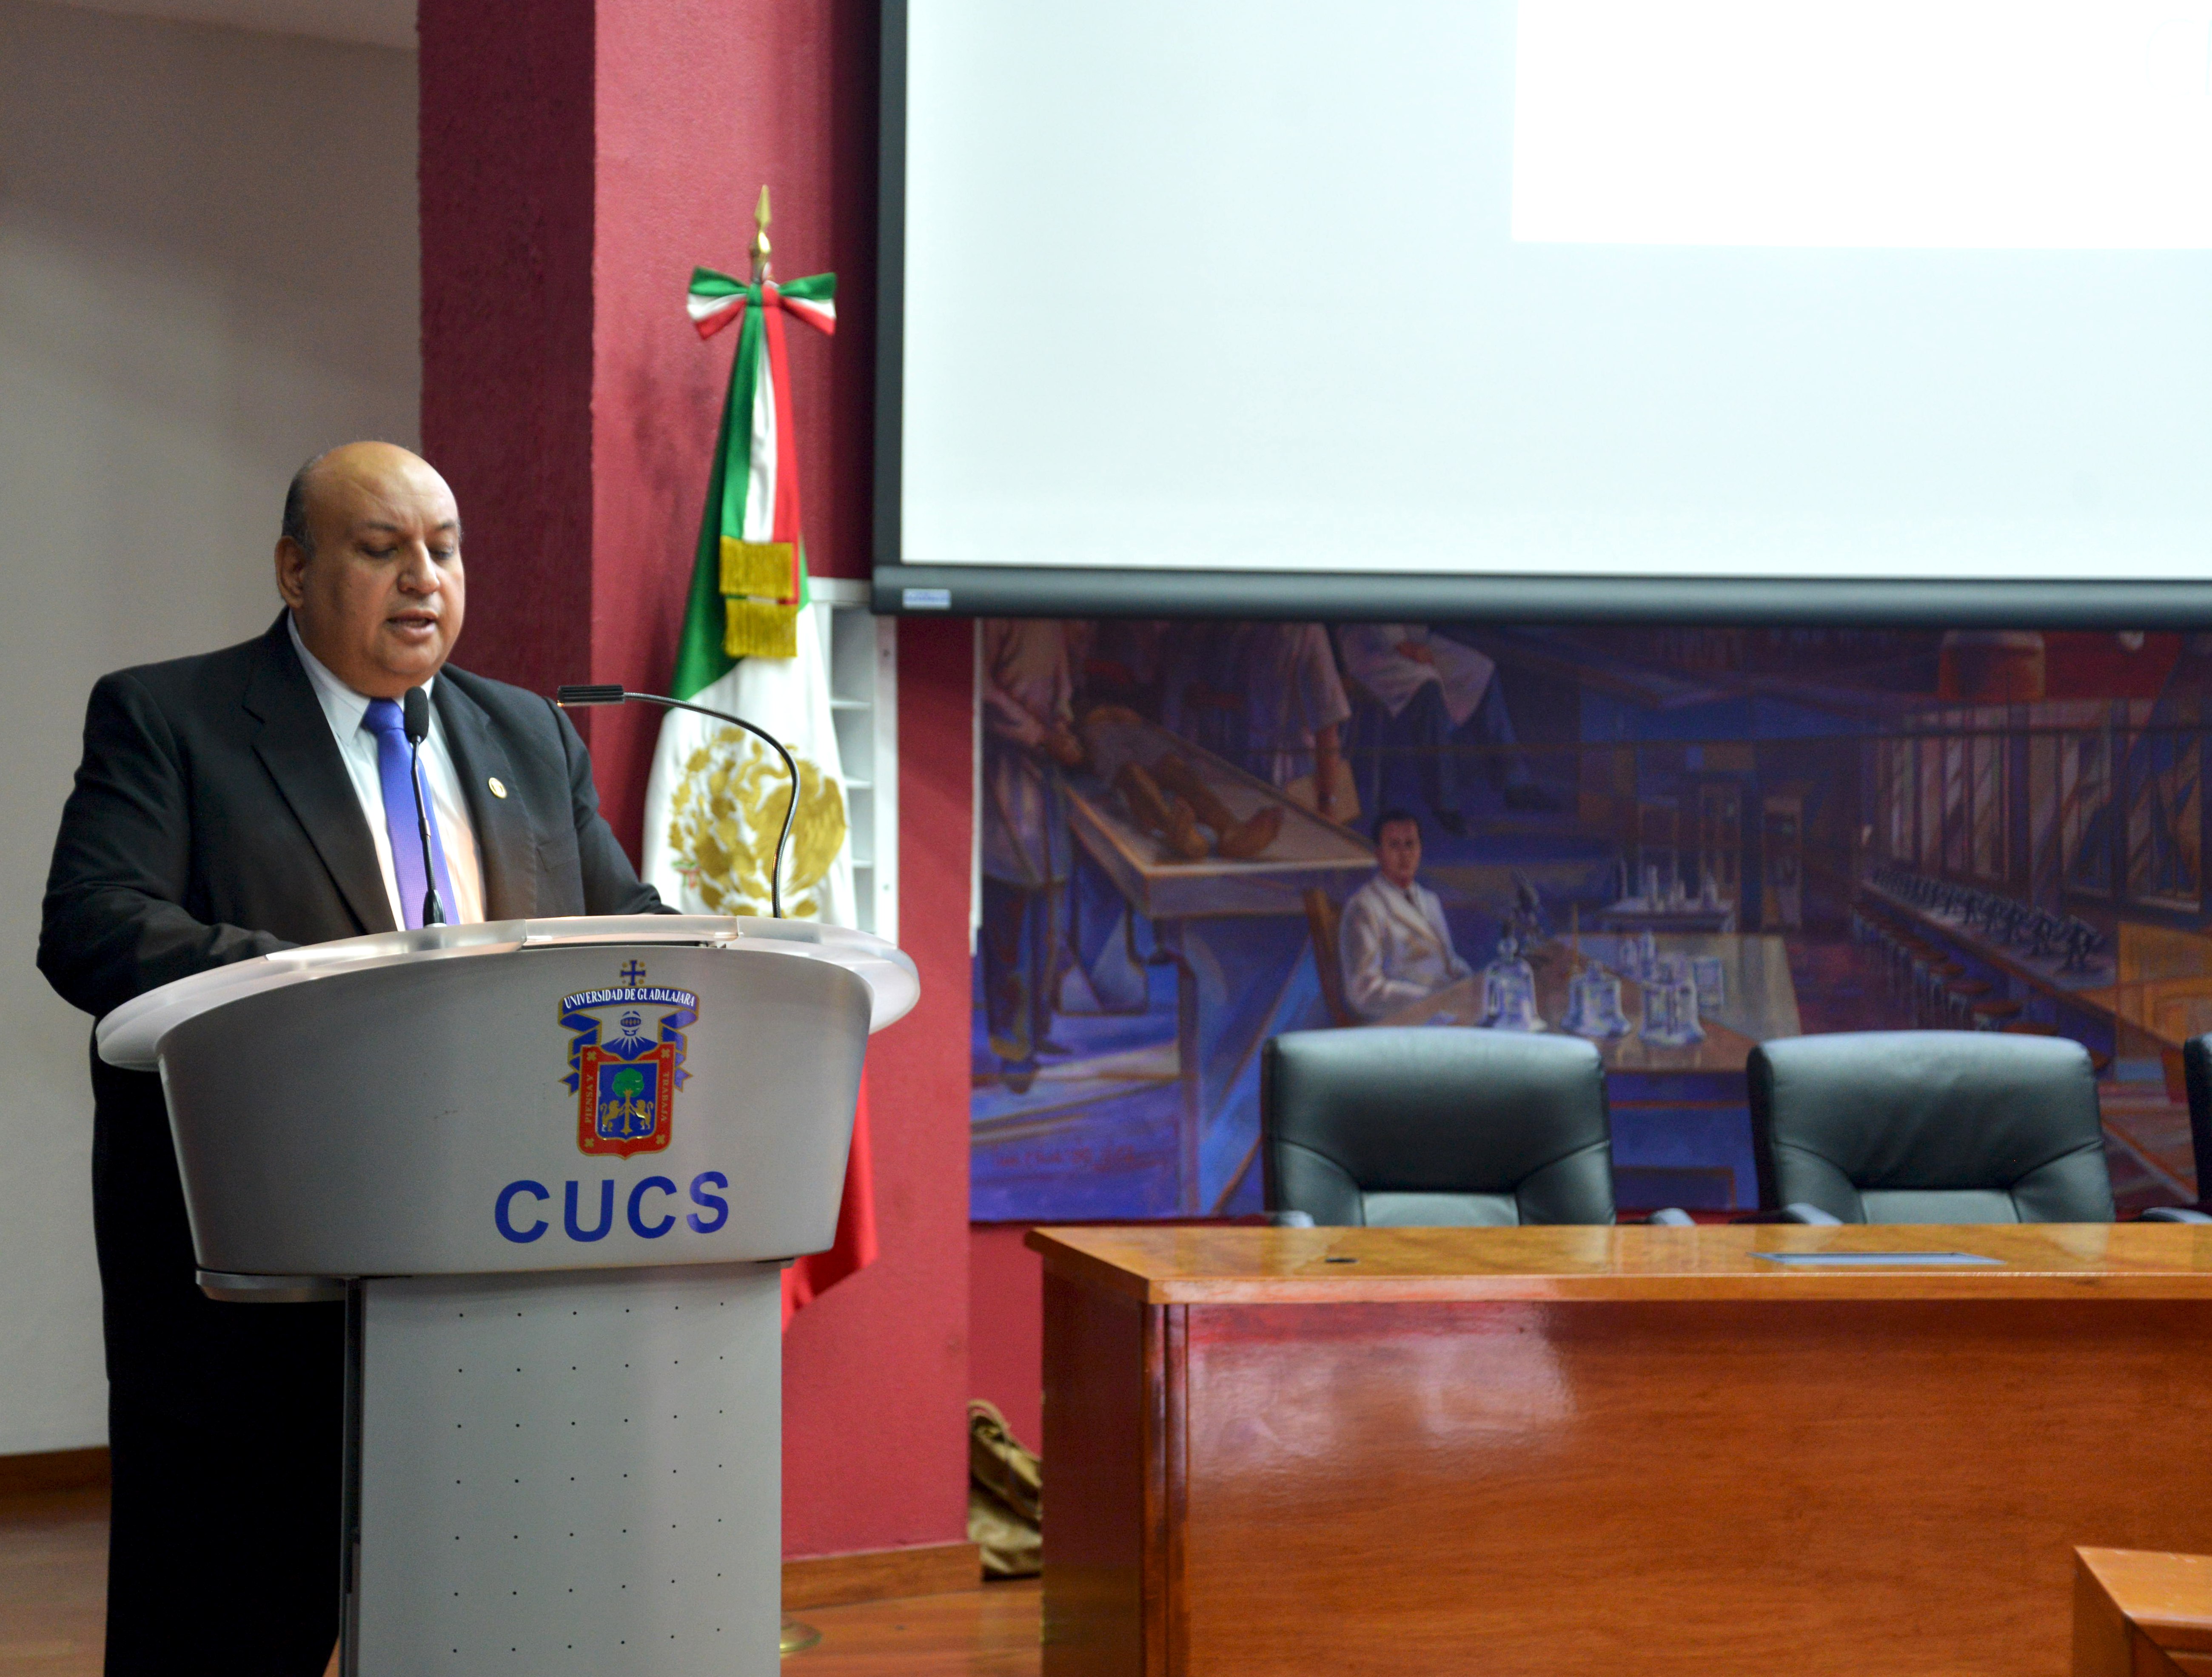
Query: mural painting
{"type": "Point", "coordinates": [1677, 842]}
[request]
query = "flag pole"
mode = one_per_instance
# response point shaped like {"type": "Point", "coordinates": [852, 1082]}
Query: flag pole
{"type": "Point", "coordinates": [793, 1636]}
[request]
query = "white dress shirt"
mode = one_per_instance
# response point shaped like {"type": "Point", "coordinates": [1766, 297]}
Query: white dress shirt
{"type": "Point", "coordinates": [344, 708]}
{"type": "Point", "coordinates": [1396, 947]}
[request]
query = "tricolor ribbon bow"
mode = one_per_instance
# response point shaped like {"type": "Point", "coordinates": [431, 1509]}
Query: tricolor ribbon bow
{"type": "Point", "coordinates": [757, 457]}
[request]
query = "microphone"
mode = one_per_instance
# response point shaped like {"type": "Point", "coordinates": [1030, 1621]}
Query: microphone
{"type": "Point", "coordinates": [415, 717]}
{"type": "Point", "coordinates": [577, 695]}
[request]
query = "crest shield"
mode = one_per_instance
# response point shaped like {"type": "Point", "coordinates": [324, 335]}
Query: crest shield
{"type": "Point", "coordinates": [626, 1063]}
{"type": "Point", "coordinates": [625, 1106]}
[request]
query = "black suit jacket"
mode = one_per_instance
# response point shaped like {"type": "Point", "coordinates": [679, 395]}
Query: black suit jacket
{"type": "Point", "coordinates": [213, 820]}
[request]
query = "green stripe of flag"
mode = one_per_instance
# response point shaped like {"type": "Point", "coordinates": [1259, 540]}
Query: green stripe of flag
{"type": "Point", "coordinates": [700, 660]}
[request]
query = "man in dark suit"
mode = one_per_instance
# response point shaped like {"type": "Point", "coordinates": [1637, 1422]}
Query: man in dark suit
{"type": "Point", "coordinates": [228, 805]}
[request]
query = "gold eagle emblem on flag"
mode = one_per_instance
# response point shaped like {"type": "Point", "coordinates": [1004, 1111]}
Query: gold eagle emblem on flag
{"type": "Point", "coordinates": [724, 816]}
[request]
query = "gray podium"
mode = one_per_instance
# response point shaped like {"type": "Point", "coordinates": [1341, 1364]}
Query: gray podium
{"type": "Point", "coordinates": [554, 1169]}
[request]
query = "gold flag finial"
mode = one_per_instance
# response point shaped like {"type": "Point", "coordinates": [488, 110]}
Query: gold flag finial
{"type": "Point", "coordinates": [759, 238]}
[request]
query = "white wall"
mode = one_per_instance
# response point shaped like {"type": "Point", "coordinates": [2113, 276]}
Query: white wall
{"type": "Point", "coordinates": [208, 272]}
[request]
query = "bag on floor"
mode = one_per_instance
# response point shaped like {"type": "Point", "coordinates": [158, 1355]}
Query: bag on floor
{"type": "Point", "coordinates": [1005, 1496]}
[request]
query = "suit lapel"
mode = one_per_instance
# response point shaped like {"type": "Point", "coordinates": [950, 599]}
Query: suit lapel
{"type": "Point", "coordinates": [502, 826]}
{"type": "Point", "coordinates": [295, 744]}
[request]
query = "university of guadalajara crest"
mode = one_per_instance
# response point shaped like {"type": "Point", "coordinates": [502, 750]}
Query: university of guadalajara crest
{"type": "Point", "coordinates": [626, 1063]}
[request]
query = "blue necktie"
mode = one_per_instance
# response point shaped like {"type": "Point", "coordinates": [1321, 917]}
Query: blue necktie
{"type": "Point", "coordinates": [393, 757]}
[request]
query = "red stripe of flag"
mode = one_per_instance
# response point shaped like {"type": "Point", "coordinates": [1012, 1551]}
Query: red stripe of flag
{"type": "Point", "coordinates": [855, 1247]}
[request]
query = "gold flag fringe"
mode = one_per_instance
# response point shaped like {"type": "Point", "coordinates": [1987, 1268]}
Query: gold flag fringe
{"type": "Point", "coordinates": [760, 629]}
{"type": "Point", "coordinates": [764, 570]}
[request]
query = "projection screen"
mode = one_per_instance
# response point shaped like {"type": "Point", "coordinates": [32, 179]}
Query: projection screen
{"type": "Point", "coordinates": [1773, 308]}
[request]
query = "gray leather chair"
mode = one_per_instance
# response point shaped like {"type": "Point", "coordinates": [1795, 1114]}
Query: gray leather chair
{"type": "Point", "coordinates": [1425, 1127]}
{"type": "Point", "coordinates": [2196, 1074]}
{"type": "Point", "coordinates": [1928, 1126]}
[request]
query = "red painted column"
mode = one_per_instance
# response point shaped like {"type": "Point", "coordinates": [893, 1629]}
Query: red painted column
{"type": "Point", "coordinates": [578, 158]}
{"type": "Point", "coordinates": [875, 1371]}
{"type": "Point", "coordinates": [507, 201]}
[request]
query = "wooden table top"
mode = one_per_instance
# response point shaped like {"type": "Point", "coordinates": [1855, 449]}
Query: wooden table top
{"type": "Point", "coordinates": [1186, 1265]}
{"type": "Point", "coordinates": [2168, 1596]}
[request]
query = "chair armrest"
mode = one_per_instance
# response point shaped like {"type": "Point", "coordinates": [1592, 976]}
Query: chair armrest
{"type": "Point", "coordinates": [2174, 1214]}
{"type": "Point", "coordinates": [1291, 1220]}
{"type": "Point", "coordinates": [1672, 1217]}
{"type": "Point", "coordinates": [1798, 1211]}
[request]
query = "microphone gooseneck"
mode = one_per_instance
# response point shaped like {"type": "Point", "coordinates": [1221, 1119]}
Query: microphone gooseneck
{"type": "Point", "coordinates": [415, 717]}
{"type": "Point", "coordinates": [576, 696]}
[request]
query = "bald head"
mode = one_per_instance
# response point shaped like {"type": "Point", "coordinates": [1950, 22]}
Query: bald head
{"type": "Point", "coordinates": [370, 563]}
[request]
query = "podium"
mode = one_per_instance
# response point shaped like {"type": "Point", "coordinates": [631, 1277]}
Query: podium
{"type": "Point", "coordinates": [554, 1169]}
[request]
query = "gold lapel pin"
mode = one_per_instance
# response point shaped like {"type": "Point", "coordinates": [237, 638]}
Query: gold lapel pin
{"type": "Point", "coordinates": [498, 787]}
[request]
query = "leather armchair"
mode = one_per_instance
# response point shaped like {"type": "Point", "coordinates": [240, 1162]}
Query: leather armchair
{"type": "Point", "coordinates": [1929, 1126]}
{"type": "Point", "coordinates": [2196, 1074]}
{"type": "Point", "coordinates": [1421, 1126]}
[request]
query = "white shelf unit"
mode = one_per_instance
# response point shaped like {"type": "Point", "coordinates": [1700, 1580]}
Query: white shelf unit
{"type": "Point", "coordinates": [862, 650]}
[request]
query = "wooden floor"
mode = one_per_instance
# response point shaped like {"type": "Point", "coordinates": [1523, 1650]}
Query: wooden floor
{"type": "Point", "coordinates": [987, 1633]}
{"type": "Point", "coordinates": [53, 1562]}
{"type": "Point", "coordinates": [53, 1575]}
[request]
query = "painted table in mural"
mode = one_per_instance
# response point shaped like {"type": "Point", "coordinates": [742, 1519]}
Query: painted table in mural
{"type": "Point", "coordinates": [1310, 854]}
{"type": "Point", "coordinates": [1637, 914]}
{"type": "Point", "coordinates": [1759, 1000]}
{"type": "Point", "coordinates": [2048, 975]}
{"type": "Point", "coordinates": [2138, 1004]}
{"type": "Point", "coordinates": [2051, 991]}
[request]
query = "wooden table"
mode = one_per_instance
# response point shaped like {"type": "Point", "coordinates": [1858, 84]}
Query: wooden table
{"type": "Point", "coordinates": [2139, 1614]}
{"type": "Point", "coordinates": [1609, 1449]}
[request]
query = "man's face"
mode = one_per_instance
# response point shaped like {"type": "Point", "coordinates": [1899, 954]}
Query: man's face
{"type": "Point", "coordinates": [380, 600]}
{"type": "Point", "coordinates": [1398, 850]}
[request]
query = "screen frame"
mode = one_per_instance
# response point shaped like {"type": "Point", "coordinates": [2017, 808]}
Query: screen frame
{"type": "Point", "coordinates": [899, 588]}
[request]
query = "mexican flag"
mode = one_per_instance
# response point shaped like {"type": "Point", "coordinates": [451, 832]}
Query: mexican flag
{"type": "Point", "coordinates": [752, 645]}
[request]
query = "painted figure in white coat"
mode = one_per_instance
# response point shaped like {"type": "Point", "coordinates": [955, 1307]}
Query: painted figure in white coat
{"type": "Point", "coordinates": [1396, 948]}
{"type": "Point", "coordinates": [1437, 699]}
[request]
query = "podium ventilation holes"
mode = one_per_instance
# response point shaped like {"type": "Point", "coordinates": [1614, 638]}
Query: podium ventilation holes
{"type": "Point", "coordinates": [624, 1342]}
